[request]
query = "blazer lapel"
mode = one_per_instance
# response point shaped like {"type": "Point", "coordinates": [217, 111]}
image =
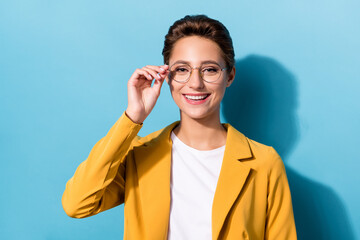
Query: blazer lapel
{"type": "Point", "coordinates": [232, 177]}
{"type": "Point", "coordinates": [153, 161]}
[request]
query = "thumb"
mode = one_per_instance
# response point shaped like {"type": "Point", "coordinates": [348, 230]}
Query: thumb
{"type": "Point", "coordinates": [157, 85]}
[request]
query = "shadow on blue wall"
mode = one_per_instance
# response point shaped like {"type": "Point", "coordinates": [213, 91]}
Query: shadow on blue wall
{"type": "Point", "coordinates": [262, 104]}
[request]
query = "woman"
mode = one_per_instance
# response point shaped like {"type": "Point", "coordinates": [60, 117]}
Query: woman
{"type": "Point", "coordinates": [196, 178]}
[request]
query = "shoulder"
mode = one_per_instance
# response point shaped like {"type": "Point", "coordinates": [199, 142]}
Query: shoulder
{"type": "Point", "coordinates": [266, 156]}
{"type": "Point", "coordinates": [263, 157]}
{"type": "Point", "coordinates": [261, 149]}
{"type": "Point", "coordinates": [156, 136]}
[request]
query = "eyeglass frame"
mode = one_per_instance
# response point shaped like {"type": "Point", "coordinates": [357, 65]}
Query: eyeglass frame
{"type": "Point", "coordinates": [187, 80]}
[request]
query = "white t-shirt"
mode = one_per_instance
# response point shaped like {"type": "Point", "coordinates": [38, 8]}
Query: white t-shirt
{"type": "Point", "coordinates": [194, 175]}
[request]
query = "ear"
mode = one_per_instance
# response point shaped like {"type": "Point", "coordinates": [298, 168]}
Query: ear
{"type": "Point", "coordinates": [231, 77]}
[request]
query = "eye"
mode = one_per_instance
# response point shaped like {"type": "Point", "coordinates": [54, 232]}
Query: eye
{"type": "Point", "coordinates": [210, 69]}
{"type": "Point", "coordinates": [181, 69]}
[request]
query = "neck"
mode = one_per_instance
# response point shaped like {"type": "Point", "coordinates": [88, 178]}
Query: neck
{"type": "Point", "coordinates": [202, 134]}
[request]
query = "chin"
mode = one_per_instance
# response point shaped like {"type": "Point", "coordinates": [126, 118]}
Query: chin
{"type": "Point", "coordinates": [197, 114]}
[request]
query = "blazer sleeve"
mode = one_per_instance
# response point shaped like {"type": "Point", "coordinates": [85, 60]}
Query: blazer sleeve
{"type": "Point", "coordinates": [280, 223]}
{"type": "Point", "coordinates": [98, 183]}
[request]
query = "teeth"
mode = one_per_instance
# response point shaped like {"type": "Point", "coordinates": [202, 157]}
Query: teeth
{"type": "Point", "coordinates": [196, 97]}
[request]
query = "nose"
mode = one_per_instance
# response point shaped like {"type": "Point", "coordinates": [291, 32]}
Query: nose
{"type": "Point", "coordinates": [195, 81]}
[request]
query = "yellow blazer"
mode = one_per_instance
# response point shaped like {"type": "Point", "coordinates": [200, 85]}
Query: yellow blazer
{"type": "Point", "coordinates": [252, 198]}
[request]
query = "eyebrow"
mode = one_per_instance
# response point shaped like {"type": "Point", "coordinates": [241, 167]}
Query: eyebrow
{"type": "Point", "coordinates": [203, 62]}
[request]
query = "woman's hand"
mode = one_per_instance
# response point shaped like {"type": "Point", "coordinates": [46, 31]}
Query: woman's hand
{"type": "Point", "coordinates": [141, 95]}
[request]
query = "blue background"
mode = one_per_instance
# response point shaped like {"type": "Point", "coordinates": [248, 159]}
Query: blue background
{"type": "Point", "coordinates": [64, 66]}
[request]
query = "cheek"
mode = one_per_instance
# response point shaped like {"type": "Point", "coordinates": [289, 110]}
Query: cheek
{"type": "Point", "coordinates": [221, 92]}
{"type": "Point", "coordinates": [174, 90]}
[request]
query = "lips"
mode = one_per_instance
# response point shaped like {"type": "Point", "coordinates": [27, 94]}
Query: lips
{"type": "Point", "coordinates": [197, 98]}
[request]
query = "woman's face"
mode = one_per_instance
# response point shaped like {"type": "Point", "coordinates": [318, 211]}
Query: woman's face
{"type": "Point", "coordinates": [195, 50]}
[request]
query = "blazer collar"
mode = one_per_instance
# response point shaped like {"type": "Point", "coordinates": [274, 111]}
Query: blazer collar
{"type": "Point", "coordinates": [153, 160]}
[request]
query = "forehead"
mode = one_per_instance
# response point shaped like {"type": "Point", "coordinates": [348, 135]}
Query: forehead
{"type": "Point", "coordinates": [196, 50]}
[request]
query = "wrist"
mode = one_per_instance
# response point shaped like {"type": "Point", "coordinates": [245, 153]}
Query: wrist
{"type": "Point", "coordinates": [135, 118]}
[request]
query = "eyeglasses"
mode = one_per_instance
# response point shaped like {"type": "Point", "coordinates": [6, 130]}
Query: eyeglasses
{"type": "Point", "coordinates": [181, 72]}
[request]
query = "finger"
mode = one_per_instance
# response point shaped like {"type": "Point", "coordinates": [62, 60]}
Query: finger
{"type": "Point", "coordinates": [153, 72]}
{"type": "Point", "coordinates": [163, 75]}
{"type": "Point", "coordinates": [160, 69]}
{"type": "Point", "coordinates": [140, 73]}
{"type": "Point", "coordinates": [164, 71]}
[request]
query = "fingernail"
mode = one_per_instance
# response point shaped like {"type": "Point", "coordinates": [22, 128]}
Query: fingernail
{"type": "Point", "coordinates": [159, 75]}
{"type": "Point", "coordinates": [162, 69]}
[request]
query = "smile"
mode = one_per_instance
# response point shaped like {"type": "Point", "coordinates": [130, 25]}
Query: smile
{"type": "Point", "coordinates": [196, 98]}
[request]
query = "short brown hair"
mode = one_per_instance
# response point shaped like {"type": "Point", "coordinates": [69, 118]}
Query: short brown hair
{"type": "Point", "coordinates": [202, 26]}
